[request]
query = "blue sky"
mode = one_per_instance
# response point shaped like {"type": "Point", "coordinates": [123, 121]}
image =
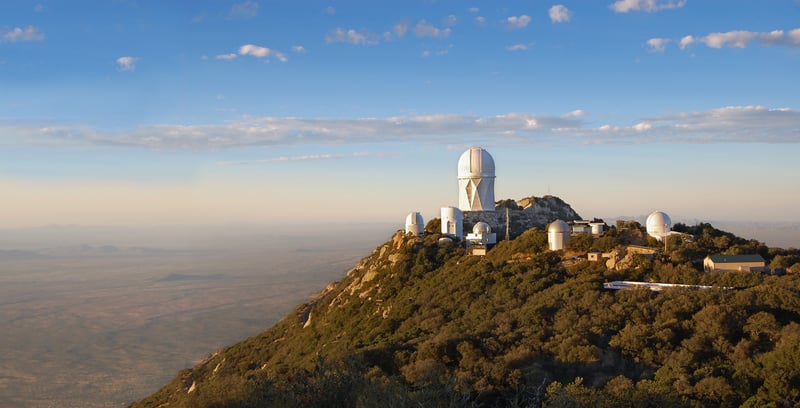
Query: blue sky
{"type": "Point", "coordinates": [210, 112]}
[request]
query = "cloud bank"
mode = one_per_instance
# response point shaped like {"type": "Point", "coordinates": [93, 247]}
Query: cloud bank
{"type": "Point", "coordinates": [741, 124]}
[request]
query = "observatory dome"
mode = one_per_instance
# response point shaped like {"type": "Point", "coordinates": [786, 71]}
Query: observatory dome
{"type": "Point", "coordinates": [558, 226]}
{"type": "Point", "coordinates": [475, 162]}
{"type": "Point", "coordinates": [481, 228]}
{"type": "Point", "coordinates": [476, 180]}
{"type": "Point", "coordinates": [658, 225]}
{"type": "Point", "coordinates": [414, 223]}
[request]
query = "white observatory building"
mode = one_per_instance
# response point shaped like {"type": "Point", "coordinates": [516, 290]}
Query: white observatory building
{"type": "Point", "coordinates": [658, 225]}
{"type": "Point", "coordinates": [452, 222]}
{"type": "Point", "coordinates": [480, 239]}
{"type": "Point", "coordinates": [558, 233]}
{"type": "Point", "coordinates": [476, 180]}
{"type": "Point", "coordinates": [415, 224]}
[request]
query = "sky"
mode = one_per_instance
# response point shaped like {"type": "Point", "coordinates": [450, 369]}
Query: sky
{"type": "Point", "coordinates": [214, 112]}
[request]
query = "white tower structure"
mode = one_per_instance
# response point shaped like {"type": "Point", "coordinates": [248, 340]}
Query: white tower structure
{"type": "Point", "coordinates": [452, 222]}
{"type": "Point", "coordinates": [476, 180]}
{"type": "Point", "coordinates": [414, 224]}
{"type": "Point", "coordinates": [658, 225]}
{"type": "Point", "coordinates": [557, 235]}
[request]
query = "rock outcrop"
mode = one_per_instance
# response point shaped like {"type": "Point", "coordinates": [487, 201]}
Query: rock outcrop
{"type": "Point", "coordinates": [524, 214]}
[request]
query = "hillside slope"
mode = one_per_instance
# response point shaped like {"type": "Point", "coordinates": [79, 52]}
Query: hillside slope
{"type": "Point", "coordinates": [415, 324]}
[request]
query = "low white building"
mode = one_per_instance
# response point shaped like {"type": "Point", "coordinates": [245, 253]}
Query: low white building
{"type": "Point", "coordinates": [730, 263]}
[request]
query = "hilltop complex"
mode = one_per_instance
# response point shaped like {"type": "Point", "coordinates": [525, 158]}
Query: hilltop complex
{"type": "Point", "coordinates": [478, 211]}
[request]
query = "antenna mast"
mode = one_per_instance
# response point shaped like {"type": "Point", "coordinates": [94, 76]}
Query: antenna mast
{"type": "Point", "coordinates": [508, 224]}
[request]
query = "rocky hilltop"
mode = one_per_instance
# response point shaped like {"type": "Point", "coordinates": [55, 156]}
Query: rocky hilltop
{"type": "Point", "coordinates": [524, 214]}
{"type": "Point", "coordinates": [416, 324]}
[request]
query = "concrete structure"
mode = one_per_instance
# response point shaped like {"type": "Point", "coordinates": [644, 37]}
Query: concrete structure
{"type": "Point", "coordinates": [452, 222]}
{"type": "Point", "coordinates": [594, 256]}
{"type": "Point", "coordinates": [415, 225]}
{"type": "Point", "coordinates": [476, 180]}
{"type": "Point", "coordinates": [658, 225]}
{"type": "Point", "coordinates": [558, 233]}
{"type": "Point", "coordinates": [731, 263]}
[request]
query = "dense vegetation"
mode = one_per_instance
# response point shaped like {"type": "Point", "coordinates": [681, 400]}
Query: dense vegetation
{"type": "Point", "coordinates": [415, 324]}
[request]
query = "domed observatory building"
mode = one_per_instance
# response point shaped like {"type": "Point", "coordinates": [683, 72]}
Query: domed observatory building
{"type": "Point", "coordinates": [415, 224]}
{"type": "Point", "coordinates": [481, 237]}
{"type": "Point", "coordinates": [558, 233]}
{"type": "Point", "coordinates": [452, 222]}
{"type": "Point", "coordinates": [476, 180]}
{"type": "Point", "coordinates": [658, 225]}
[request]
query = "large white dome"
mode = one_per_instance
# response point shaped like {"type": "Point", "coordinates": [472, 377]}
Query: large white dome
{"type": "Point", "coordinates": [476, 180]}
{"type": "Point", "coordinates": [658, 225]}
{"type": "Point", "coordinates": [475, 162]}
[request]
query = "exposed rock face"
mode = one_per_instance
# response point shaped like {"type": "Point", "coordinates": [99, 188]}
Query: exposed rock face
{"type": "Point", "coordinates": [524, 214]}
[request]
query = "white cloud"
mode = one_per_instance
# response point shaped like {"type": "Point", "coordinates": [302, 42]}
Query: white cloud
{"type": "Point", "coordinates": [517, 47]}
{"type": "Point", "coordinates": [352, 36]}
{"type": "Point", "coordinates": [425, 29]}
{"type": "Point", "coordinates": [299, 49]}
{"type": "Point", "coordinates": [736, 39]}
{"type": "Point", "coordinates": [650, 6]}
{"type": "Point", "coordinates": [400, 29]}
{"type": "Point", "coordinates": [29, 33]}
{"type": "Point", "coordinates": [686, 41]}
{"type": "Point", "coordinates": [39, 8]}
{"type": "Point", "coordinates": [734, 124]}
{"type": "Point", "coordinates": [126, 63]}
{"type": "Point", "coordinates": [742, 38]}
{"type": "Point", "coordinates": [794, 37]}
{"type": "Point", "coordinates": [559, 14]}
{"type": "Point", "coordinates": [518, 22]}
{"type": "Point", "coordinates": [657, 44]}
{"type": "Point", "coordinates": [330, 10]}
{"type": "Point", "coordinates": [248, 9]}
{"type": "Point", "coordinates": [577, 113]}
{"type": "Point", "coordinates": [480, 20]}
{"type": "Point", "coordinates": [450, 21]}
{"type": "Point", "coordinates": [474, 9]}
{"type": "Point", "coordinates": [261, 52]}
{"type": "Point", "coordinates": [226, 57]}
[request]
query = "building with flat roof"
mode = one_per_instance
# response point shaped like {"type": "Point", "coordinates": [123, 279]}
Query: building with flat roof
{"type": "Point", "coordinates": [750, 263]}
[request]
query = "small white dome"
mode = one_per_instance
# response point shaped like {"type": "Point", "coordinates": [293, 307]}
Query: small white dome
{"type": "Point", "coordinates": [658, 224]}
{"type": "Point", "coordinates": [558, 226]}
{"type": "Point", "coordinates": [445, 241]}
{"type": "Point", "coordinates": [481, 228]}
{"type": "Point", "coordinates": [475, 162]}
